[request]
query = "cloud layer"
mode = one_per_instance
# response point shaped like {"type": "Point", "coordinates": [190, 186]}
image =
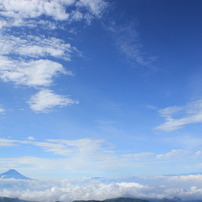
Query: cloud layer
{"type": "Point", "coordinates": [184, 187]}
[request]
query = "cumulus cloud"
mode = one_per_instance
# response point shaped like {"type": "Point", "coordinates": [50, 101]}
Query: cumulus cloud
{"type": "Point", "coordinates": [35, 46]}
{"type": "Point", "coordinates": [33, 9]}
{"type": "Point", "coordinates": [184, 187]}
{"type": "Point", "coordinates": [67, 190]}
{"type": "Point", "coordinates": [188, 114]}
{"type": "Point", "coordinates": [45, 100]}
{"type": "Point", "coordinates": [32, 73]}
{"type": "Point", "coordinates": [27, 57]}
{"type": "Point", "coordinates": [16, 13]}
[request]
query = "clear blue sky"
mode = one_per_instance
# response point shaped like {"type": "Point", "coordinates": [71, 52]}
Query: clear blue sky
{"type": "Point", "coordinates": [100, 87]}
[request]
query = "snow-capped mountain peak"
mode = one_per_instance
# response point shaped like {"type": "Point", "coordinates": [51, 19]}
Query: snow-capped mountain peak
{"type": "Point", "coordinates": [13, 174]}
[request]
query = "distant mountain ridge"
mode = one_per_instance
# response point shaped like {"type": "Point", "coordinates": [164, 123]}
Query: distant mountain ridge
{"type": "Point", "coordinates": [125, 199]}
{"type": "Point", "coordinates": [120, 199]}
{"type": "Point", "coordinates": [6, 199]}
{"type": "Point", "coordinates": [13, 174]}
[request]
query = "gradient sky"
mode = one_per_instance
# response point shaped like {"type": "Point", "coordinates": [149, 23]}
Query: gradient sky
{"type": "Point", "coordinates": [100, 87]}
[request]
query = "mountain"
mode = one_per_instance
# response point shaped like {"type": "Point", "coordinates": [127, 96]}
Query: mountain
{"type": "Point", "coordinates": [6, 199]}
{"type": "Point", "coordinates": [121, 199]}
{"type": "Point", "coordinates": [124, 199]}
{"type": "Point", "coordinates": [12, 173]}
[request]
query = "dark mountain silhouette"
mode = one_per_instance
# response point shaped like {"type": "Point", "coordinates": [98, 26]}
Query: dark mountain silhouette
{"type": "Point", "coordinates": [121, 199]}
{"type": "Point", "coordinates": [13, 174]}
{"type": "Point", "coordinates": [124, 199]}
{"type": "Point", "coordinates": [6, 199]}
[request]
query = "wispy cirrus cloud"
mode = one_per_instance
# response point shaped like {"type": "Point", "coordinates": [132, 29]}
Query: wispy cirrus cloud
{"type": "Point", "coordinates": [95, 156]}
{"type": "Point", "coordinates": [7, 142]}
{"type": "Point", "coordinates": [63, 147]}
{"type": "Point", "coordinates": [185, 115]}
{"type": "Point", "coordinates": [80, 155]}
{"type": "Point", "coordinates": [96, 7]}
{"type": "Point", "coordinates": [179, 154]}
{"type": "Point", "coordinates": [129, 44]}
{"type": "Point", "coordinates": [88, 146]}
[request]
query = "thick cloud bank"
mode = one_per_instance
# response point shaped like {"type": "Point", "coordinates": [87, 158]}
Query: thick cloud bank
{"type": "Point", "coordinates": [184, 187]}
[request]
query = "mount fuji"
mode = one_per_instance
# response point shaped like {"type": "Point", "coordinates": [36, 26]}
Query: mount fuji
{"type": "Point", "coordinates": [13, 174]}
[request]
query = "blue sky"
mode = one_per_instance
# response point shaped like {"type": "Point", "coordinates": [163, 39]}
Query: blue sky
{"type": "Point", "coordinates": [100, 88]}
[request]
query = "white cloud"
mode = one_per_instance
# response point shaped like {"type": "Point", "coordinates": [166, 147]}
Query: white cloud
{"type": "Point", "coordinates": [68, 190]}
{"type": "Point", "coordinates": [29, 23]}
{"type": "Point", "coordinates": [96, 7]}
{"type": "Point", "coordinates": [30, 138]}
{"type": "Point", "coordinates": [34, 9]}
{"type": "Point", "coordinates": [17, 13]}
{"type": "Point", "coordinates": [169, 111]}
{"type": "Point", "coordinates": [83, 146]}
{"type": "Point", "coordinates": [32, 73]}
{"type": "Point", "coordinates": [36, 73]}
{"type": "Point", "coordinates": [1, 110]}
{"type": "Point", "coordinates": [32, 68]}
{"type": "Point", "coordinates": [59, 149]}
{"type": "Point", "coordinates": [32, 23]}
{"type": "Point", "coordinates": [138, 156]}
{"type": "Point", "coordinates": [94, 157]}
{"type": "Point", "coordinates": [187, 141]}
{"type": "Point", "coordinates": [180, 154]}
{"type": "Point", "coordinates": [173, 154]}
{"type": "Point", "coordinates": [76, 156]}
{"type": "Point", "coordinates": [35, 46]}
{"type": "Point", "coordinates": [46, 99]}
{"type": "Point", "coordinates": [63, 147]}
{"type": "Point", "coordinates": [98, 150]}
{"type": "Point", "coordinates": [191, 113]}
{"type": "Point", "coordinates": [184, 187]}
{"type": "Point", "coordinates": [7, 142]}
